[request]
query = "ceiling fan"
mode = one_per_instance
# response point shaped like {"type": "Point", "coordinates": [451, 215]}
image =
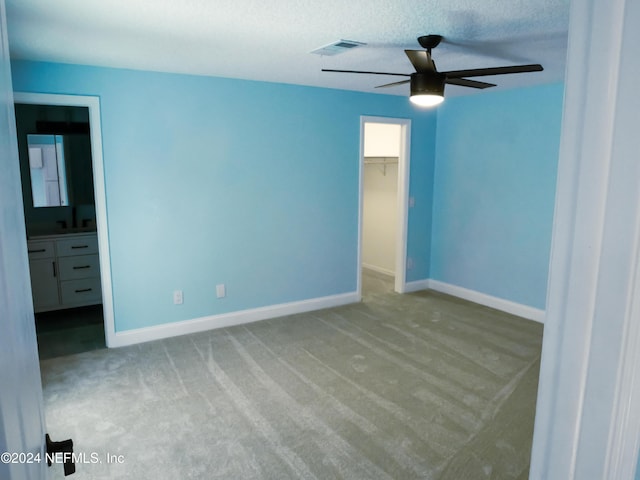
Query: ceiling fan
{"type": "Point", "coordinates": [427, 84]}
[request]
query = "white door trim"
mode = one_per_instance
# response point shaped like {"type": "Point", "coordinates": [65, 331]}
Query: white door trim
{"type": "Point", "coordinates": [400, 284]}
{"type": "Point", "coordinates": [587, 421]}
{"type": "Point", "coordinates": [93, 104]}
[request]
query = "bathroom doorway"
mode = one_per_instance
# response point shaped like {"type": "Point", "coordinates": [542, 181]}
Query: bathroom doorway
{"type": "Point", "coordinates": [66, 232]}
{"type": "Point", "coordinates": [384, 203]}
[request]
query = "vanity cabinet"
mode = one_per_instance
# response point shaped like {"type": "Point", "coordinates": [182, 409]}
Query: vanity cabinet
{"type": "Point", "coordinates": [44, 275]}
{"type": "Point", "coordinates": [65, 271]}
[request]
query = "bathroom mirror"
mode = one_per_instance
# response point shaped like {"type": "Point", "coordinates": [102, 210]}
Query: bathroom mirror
{"type": "Point", "coordinates": [48, 170]}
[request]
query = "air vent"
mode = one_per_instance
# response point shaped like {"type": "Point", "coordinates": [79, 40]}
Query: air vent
{"type": "Point", "coordinates": [337, 48]}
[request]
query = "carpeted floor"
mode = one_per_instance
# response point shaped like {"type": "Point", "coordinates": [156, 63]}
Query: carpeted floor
{"type": "Point", "coordinates": [418, 386]}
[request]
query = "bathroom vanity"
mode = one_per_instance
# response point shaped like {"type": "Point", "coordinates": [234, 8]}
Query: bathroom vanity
{"type": "Point", "coordinates": [65, 270]}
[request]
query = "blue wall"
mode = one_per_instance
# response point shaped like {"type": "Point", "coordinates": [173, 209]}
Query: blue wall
{"type": "Point", "coordinates": [496, 162]}
{"type": "Point", "coordinates": [250, 184]}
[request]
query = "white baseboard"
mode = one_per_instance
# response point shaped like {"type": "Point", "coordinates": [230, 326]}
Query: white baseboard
{"type": "Point", "coordinates": [375, 268]}
{"type": "Point", "coordinates": [416, 286]}
{"type": "Point", "coordinates": [157, 332]}
{"type": "Point", "coordinates": [501, 304]}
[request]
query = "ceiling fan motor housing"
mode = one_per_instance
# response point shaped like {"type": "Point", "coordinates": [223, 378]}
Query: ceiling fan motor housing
{"type": "Point", "coordinates": [429, 41]}
{"type": "Point", "coordinates": [431, 83]}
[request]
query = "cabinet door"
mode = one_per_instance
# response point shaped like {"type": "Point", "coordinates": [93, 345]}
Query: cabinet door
{"type": "Point", "coordinates": [44, 284]}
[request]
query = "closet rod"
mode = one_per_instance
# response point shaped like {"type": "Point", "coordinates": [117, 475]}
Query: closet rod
{"type": "Point", "coordinates": [380, 160]}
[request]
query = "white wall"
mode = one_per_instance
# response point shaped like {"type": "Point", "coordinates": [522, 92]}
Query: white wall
{"type": "Point", "coordinates": [381, 140]}
{"type": "Point", "coordinates": [380, 198]}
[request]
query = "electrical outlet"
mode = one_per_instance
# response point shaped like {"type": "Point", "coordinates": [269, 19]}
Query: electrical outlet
{"type": "Point", "coordinates": [409, 263]}
{"type": "Point", "coordinates": [412, 202]}
{"type": "Point", "coordinates": [221, 291]}
{"type": "Point", "coordinates": [177, 297]}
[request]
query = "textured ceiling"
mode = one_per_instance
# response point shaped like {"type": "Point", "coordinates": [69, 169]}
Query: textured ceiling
{"type": "Point", "coordinates": [271, 40]}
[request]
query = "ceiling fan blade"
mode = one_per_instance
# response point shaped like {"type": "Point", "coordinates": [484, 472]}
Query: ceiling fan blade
{"type": "Point", "coordinates": [481, 72]}
{"type": "Point", "coordinates": [464, 82]}
{"type": "Point", "coordinates": [370, 73]}
{"type": "Point", "coordinates": [402, 82]}
{"type": "Point", "coordinates": [421, 60]}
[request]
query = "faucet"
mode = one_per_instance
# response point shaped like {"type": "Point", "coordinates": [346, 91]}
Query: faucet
{"type": "Point", "coordinates": [62, 223]}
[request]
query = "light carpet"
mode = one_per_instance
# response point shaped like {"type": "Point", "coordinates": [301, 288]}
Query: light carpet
{"type": "Point", "coordinates": [418, 386]}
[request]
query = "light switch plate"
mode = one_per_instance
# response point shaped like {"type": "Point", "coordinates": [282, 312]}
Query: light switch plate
{"type": "Point", "coordinates": [177, 297]}
{"type": "Point", "coordinates": [221, 290]}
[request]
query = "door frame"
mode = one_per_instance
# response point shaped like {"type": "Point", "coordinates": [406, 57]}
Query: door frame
{"type": "Point", "coordinates": [402, 213]}
{"type": "Point", "coordinates": [587, 422]}
{"type": "Point", "coordinates": [97, 162]}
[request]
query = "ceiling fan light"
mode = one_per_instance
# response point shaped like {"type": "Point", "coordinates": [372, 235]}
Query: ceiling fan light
{"type": "Point", "coordinates": [427, 89]}
{"type": "Point", "coordinates": [426, 100]}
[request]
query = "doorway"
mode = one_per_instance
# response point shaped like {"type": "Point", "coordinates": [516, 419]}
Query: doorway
{"type": "Point", "coordinates": [384, 201]}
{"type": "Point", "coordinates": [88, 223]}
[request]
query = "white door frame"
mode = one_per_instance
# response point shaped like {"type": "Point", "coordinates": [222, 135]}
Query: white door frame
{"type": "Point", "coordinates": [587, 419]}
{"type": "Point", "coordinates": [402, 215]}
{"type": "Point", "coordinates": [93, 104]}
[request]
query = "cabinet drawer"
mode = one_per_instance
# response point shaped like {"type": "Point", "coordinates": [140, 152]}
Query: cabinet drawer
{"type": "Point", "coordinates": [77, 246]}
{"type": "Point", "coordinates": [84, 291]}
{"type": "Point", "coordinates": [79, 266]}
{"type": "Point", "coordinates": [40, 249]}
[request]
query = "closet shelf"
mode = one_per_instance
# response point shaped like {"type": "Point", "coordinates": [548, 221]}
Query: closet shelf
{"type": "Point", "coordinates": [380, 160]}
